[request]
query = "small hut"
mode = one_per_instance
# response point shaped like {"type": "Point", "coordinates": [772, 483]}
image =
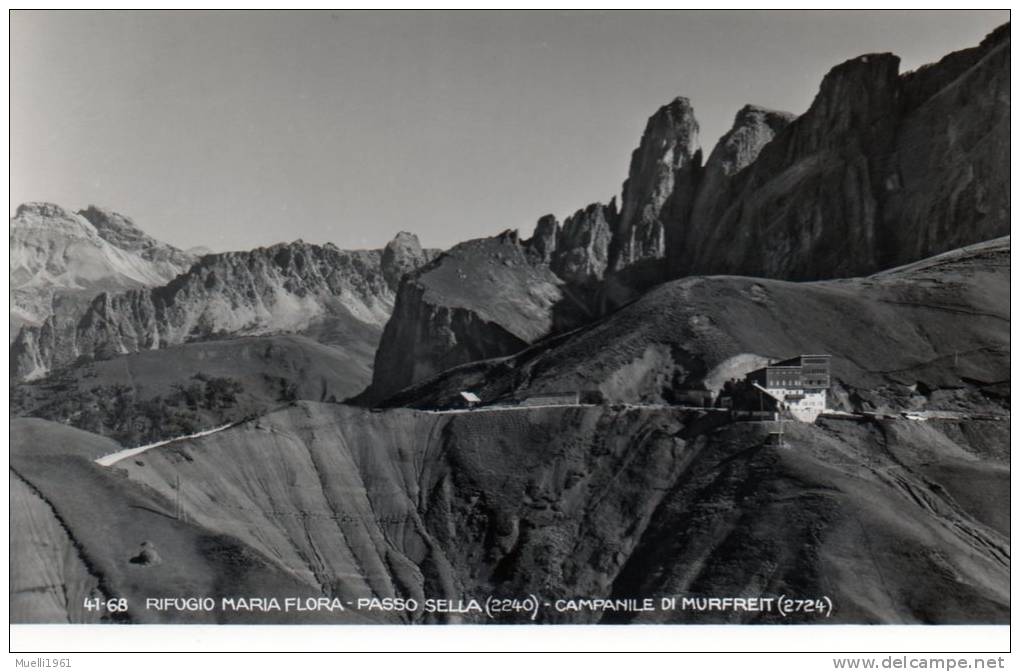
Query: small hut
{"type": "Point", "coordinates": [468, 400]}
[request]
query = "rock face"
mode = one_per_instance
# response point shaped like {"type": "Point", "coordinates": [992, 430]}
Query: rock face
{"type": "Point", "coordinates": [753, 128]}
{"type": "Point", "coordinates": [333, 295]}
{"type": "Point", "coordinates": [544, 242]}
{"type": "Point", "coordinates": [947, 183]}
{"type": "Point", "coordinates": [492, 297]}
{"type": "Point", "coordinates": [883, 169]}
{"type": "Point", "coordinates": [582, 249]}
{"type": "Point", "coordinates": [660, 186]}
{"type": "Point", "coordinates": [805, 208]}
{"type": "Point", "coordinates": [402, 255]}
{"type": "Point", "coordinates": [59, 257]}
{"type": "Point", "coordinates": [121, 231]}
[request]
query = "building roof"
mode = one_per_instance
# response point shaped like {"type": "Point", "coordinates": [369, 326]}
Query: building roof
{"type": "Point", "coordinates": [470, 397]}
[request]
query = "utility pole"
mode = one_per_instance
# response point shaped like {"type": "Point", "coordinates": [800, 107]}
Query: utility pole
{"type": "Point", "coordinates": [177, 486]}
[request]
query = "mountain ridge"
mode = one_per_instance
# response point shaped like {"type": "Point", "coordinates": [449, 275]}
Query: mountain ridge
{"type": "Point", "coordinates": [61, 258]}
{"type": "Point", "coordinates": [843, 190]}
{"type": "Point", "coordinates": [332, 294]}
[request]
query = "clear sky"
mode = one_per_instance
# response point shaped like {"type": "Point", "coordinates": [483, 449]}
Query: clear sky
{"type": "Point", "coordinates": [233, 130]}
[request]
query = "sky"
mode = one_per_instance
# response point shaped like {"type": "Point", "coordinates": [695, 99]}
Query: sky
{"type": "Point", "coordinates": [232, 130]}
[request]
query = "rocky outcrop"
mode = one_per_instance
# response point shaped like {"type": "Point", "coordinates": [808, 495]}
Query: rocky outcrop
{"type": "Point", "coordinates": [492, 297]}
{"type": "Point", "coordinates": [60, 257]}
{"type": "Point", "coordinates": [121, 231]}
{"type": "Point", "coordinates": [806, 208]}
{"type": "Point", "coordinates": [947, 177]}
{"type": "Point", "coordinates": [577, 251]}
{"type": "Point", "coordinates": [545, 239]}
{"type": "Point", "coordinates": [561, 277]}
{"type": "Point", "coordinates": [483, 298]}
{"type": "Point", "coordinates": [582, 249]}
{"type": "Point", "coordinates": [882, 169]}
{"type": "Point", "coordinates": [753, 128]}
{"type": "Point", "coordinates": [402, 255]}
{"type": "Point", "coordinates": [333, 295]}
{"type": "Point", "coordinates": [660, 187]}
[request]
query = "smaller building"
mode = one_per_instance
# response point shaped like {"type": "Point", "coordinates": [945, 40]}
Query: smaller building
{"type": "Point", "coordinates": [799, 384]}
{"type": "Point", "coordinates": [468, 400]}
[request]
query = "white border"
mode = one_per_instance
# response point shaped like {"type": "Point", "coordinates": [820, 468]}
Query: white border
{"type": "Point", "coordinates": [723, 639]}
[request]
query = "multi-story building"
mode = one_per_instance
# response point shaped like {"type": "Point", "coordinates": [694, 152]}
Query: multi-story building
{"type": "Point", "coordinates": [799, 384]}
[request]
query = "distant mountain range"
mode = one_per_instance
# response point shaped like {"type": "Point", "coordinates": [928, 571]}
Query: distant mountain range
{"type": "Point", "coordinates": [341, 297]}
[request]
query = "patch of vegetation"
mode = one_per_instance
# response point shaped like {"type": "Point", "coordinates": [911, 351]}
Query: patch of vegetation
{"type": "Point", "coordinates": [118, 412]}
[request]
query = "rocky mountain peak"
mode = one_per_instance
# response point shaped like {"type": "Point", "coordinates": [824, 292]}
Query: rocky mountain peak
{"type": "Point", "coordinates": [753, 128]}
{"type": "Point", "coordinates": [405, 238]}
{"type": "Point", "coordinates": [121, 231]}
{"type": "Point", "coordinates": [674, 118]}
{"type": "Point", "coordinates": [543, 242]}
{"type": "Point", "coordinates": [510, 236]}
{"type": "Point", "coordinates": [113, 224]}
{"type": "Point", "coordinates": [859, 72]}
{"type": "Point", "coordinates": [41, 209]}
{"type": "Point", "coordinates": [855, 94]}
{"type": "Point", "coordinates": [998, 36]}
{"type": "Point", "coordinates": [882, 169]}
{"type": "Point", "coordinates": [402, 255]}
{"type": "Point", "coordinates": [50, 217]}
{"type": "Point", "coordinates": [582, 249]}
{"type": "Point", "coordinates": [929, 79]}
{"type": "Point", "coordinates": [659, 186]}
